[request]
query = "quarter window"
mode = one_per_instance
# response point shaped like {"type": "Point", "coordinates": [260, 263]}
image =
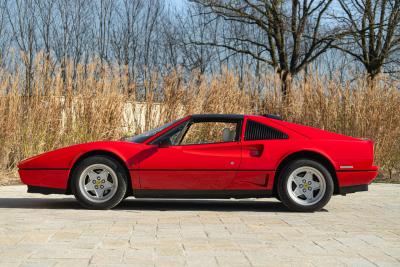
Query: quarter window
{"type": "Point", "coordinates": [259, 131]}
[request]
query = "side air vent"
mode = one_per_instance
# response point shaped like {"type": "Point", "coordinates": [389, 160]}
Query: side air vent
{"type": "Point", "coordinates": [259, 131]}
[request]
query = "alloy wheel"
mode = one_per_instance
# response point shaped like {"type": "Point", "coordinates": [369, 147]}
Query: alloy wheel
{"type": "Point", "coordinates": [306, 186]}
{"type": "Point", "coordinates": [98, 183]}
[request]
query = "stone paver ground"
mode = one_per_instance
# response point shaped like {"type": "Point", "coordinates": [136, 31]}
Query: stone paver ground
{"type": "Point", "coordinates": [360, 229]}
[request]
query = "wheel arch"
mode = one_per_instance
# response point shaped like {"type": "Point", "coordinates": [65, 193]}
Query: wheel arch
{"type": "Point", "coordinates": [99, 153]}
{"type": "Point", "coordinates": [307, 154]}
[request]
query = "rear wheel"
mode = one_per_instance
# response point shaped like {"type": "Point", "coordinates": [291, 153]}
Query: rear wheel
{"type": "Point", "coordinates": [305, 185]}
{"type": "Point", "coordinates": [99, 182]}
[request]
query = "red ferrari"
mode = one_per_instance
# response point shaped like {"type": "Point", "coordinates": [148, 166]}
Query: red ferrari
{"type": "Point", "coordinates": [209, 156]}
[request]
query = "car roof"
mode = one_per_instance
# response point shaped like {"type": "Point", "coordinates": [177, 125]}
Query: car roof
{"type": "Point", "coordinates": [218, 116]}
{"type": "Point", "coordinates": [232, 116]}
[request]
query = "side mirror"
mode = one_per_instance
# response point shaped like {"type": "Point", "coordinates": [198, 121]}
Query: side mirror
{"type": "Point", "coordinates": [164, 143]}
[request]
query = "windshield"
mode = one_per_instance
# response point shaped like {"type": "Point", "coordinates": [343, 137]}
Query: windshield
{"type": "Point", "coordinates": [140, 138]}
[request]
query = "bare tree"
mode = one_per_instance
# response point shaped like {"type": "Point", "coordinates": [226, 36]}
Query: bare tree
{"type": "Point", "coordinates": [292, 32]}
{"type": "Point", "coordinates": [170, 37]}
{"type": "Point", "coordinates": [104, 16]}
{"type": "Point", "coordinates": [22, 20]}
{"type": "Point", "coordinates": [392, 65]}
{"type": "Point", "coordinates": [285, 37]}
{"type": "Point", "coordinates": [335, 64]}
{"type": "Point", "coordinates": [150, 48]}
{"type": "Point", "coordinates": [151, 21]}
{"type": "Point", "coordinates": [45, 19]}
{"type": "Point", "coordinates": [126, 35]}
{"type": "Point", "coordinates": [4, 33]}
{"type": "Point", "coordinates": [192, 25]}
{"type": "Point", "coordinates": [72, 32]}
{"type": "Point", "coordinates": [370, 28]}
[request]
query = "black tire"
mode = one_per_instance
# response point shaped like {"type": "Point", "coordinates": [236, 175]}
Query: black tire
{"type": "Point", "coordinates": [283, 193]}
{"type": "Point", "coordinates": [120, 192]}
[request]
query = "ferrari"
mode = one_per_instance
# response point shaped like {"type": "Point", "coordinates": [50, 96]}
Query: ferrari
{"type": "Point", "coordinates": [209, 156]}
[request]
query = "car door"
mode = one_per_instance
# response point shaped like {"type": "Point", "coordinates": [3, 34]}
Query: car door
{"type": "Point", "coordinates": [203, 155]}
{"type": "Point", "coordinates": [260, 144]}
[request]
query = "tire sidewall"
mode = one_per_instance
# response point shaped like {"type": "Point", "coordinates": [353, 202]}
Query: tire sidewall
{"type": "Point", "coordinates": [284, 194]}
{"type": "Point", "coordinates": [121, 176]}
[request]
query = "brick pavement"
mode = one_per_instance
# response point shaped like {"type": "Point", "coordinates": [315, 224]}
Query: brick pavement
{"type": "Point", "coordinates": [360, 229]}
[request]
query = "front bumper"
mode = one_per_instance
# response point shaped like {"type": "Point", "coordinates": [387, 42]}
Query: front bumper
{"type": "Point", "coordinates": [52, 178]}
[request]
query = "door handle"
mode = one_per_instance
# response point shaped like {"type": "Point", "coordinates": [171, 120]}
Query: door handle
{"type": "Point", "coordinates": [255, 150]}
{"type": "Point", "coordinates": [255, 153]}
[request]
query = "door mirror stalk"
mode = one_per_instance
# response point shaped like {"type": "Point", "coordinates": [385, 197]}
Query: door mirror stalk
{"type": "Point", "coordinates": [164, 143]}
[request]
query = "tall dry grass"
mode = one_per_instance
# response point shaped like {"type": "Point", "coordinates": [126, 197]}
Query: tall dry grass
{"type": "Point", "coordinates": [92, 103]}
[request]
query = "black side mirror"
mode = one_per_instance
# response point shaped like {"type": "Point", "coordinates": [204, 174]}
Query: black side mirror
{"type": "Point", "coordinates": [164, 143]}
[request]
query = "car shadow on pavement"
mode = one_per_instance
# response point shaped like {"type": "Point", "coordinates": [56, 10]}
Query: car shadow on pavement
{"type": "Point", "coordinates": [201, 205]}
{"type": "Point", "coordinates": [132, 204]}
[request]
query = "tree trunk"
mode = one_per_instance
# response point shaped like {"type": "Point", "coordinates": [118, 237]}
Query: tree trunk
{"type": "Point", "coordinates": [286, 82]}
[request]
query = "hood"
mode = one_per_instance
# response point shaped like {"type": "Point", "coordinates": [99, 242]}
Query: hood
{"type": "Point", "coordinates": [64, 158]}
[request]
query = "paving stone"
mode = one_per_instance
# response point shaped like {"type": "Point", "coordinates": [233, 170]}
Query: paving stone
{"type": "Point", "coordinates": [357, 230]}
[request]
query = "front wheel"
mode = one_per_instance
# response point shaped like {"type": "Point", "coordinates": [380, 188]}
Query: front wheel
{"type": "Point", "coordinates": [99, 182]}
{"type": "Point", "coordinates": [305, 185]}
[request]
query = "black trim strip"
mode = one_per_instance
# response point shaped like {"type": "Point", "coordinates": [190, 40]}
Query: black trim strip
{"type": "Point", "coordinates": [45, 169]}
{"type": "Point", "coordinates": [218, 116]}
{"type": "Point", "coordinates": [201, 170]}
{"type": "Point", "coordinates": [45, 190]}
{"type": "Point", "coordinates": [177, 193]}
{"type": "Point", "coordinates": [353, 189]}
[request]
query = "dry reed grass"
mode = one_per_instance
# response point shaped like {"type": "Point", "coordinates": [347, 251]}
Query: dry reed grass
{"type": "Point", "coordinates": [89, 104]}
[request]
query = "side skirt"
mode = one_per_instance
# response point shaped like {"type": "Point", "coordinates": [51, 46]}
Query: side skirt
{"type": "Point", "coordinates": [213, 194]}
{"type": "Point", "coordinates": [45, 190]}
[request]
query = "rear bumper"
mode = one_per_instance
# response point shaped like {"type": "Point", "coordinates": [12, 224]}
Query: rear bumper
{"type": "Point", "coordinates": [353, 188]}
{"type": "Point", "coordinates": [355, 181]}
{"type": "Point", "coordinates": [349, 178]}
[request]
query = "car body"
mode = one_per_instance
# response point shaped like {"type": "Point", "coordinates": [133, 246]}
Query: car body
{"type": "Point", "coordinates": [245, 162]}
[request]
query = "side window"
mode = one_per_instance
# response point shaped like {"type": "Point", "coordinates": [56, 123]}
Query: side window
{"type": "Point", "coordinates": [210, 132]}
{"type": "Point", "coordinates": [259, 131]}
{"type": "Point", "coordinates": [172, 137]}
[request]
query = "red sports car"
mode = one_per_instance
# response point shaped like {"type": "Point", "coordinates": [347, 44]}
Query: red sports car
{"type": "Point", "coordinates": [209, 156]}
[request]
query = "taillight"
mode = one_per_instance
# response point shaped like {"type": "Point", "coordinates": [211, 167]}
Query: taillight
{"type": "Point", "coordinates": [372, 143]}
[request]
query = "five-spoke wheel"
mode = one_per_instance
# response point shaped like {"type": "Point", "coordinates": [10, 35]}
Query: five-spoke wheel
{"type": "Point", "coordinates": [305, 185]}
{"type": "Point", "coordinates": [99, 182]}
